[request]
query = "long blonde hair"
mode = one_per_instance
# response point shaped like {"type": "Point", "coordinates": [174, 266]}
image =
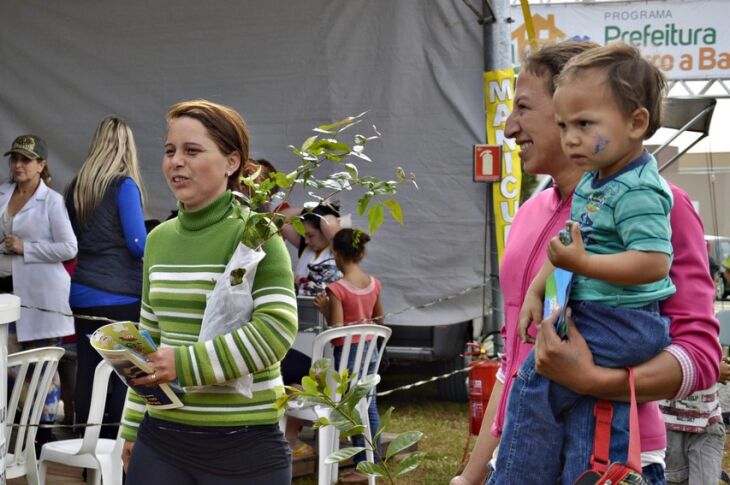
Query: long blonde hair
{"type": "Point", "coordinates": [112, 154]}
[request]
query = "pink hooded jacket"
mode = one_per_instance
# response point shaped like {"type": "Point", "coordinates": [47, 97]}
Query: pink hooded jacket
{"type": "Point", "coordinates": [694, 328]}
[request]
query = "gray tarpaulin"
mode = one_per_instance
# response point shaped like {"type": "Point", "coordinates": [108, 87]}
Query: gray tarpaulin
{"type": "Point", "coordinates": [416, 65]}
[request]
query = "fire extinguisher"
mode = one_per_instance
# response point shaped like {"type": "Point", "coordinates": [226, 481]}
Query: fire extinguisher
{"type": "Point", "coordinates": [482, 375]}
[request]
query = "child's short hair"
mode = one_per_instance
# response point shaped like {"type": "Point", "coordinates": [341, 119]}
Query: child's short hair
{"type": "Point", "coordinates": [633, 81]}
{"type": "Point", "coordinates": [550, 59]}
{"type": "Point", "coordinates": [349, 244]}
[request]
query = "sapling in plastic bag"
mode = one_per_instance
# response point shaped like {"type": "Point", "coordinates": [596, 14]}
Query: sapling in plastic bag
{"type": "Point", "coordinates": [230, 303]}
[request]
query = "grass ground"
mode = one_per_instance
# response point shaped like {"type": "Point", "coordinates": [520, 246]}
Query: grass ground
{"type": "Point", "coordinates": [444, 424]}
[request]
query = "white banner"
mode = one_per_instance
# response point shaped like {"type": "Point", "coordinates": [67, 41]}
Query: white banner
{"type": "Point", "coordinates": [685, 39]}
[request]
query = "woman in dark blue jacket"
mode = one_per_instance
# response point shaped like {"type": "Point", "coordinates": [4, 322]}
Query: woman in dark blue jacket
{"type": "Point", "coordinates": [105, 204]}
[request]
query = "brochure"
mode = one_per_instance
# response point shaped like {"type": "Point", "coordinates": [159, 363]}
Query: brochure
{"type": "Point", "coordinates": [557, 291]}
{"type": "Point", "coordinates": [124, 347]}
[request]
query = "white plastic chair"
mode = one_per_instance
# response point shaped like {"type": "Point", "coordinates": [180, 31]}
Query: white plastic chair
{"type": "Point", "coordinates": [101, 456]}
{"type": "Point", "coordinates": [23, 462]}
{"type": "Point", "coordinates": [328, 437]}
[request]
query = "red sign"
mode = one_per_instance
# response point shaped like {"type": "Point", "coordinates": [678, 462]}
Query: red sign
{"type": "Point", "coordinates": [487, 163]}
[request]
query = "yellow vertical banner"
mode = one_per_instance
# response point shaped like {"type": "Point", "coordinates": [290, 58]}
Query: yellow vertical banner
{"type": "Point", "coordinates": [498, 97]}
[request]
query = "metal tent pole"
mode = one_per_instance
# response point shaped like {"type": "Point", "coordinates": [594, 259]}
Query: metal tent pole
{"type": "Point", "coordinates": [497, 51]}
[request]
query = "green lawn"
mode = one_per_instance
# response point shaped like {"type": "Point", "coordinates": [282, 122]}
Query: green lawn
{"type": "Point", "coordinates": [444, 424]}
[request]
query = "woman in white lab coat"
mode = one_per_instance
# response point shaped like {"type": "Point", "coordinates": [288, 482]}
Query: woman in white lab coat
{"type": "Point", "coordinates": [36, 238]}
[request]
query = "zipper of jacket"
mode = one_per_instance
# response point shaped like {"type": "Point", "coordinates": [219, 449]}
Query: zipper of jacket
{"type": "Point", "coordinates": [538, 247]}
{"type": "Point", "coordinates": [515, 343]}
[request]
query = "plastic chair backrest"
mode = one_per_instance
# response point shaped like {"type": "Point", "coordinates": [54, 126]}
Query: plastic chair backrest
{"type": "Point", "coordinates": [374, 337]}
{"type": "Point", "coordinates": [724, 318]}
{"type": "Point", "coordinates": [96, 407]}
{"type": "Point", "coordinates": [44, 361]}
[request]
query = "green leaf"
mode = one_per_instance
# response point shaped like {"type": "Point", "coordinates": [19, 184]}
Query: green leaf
{"type": "Point", "coordinates": [410, 463]}
{"type": "Point", "coordinates": [344, 121]}
{"type": "Point", "coordinates": [308, 142]}
{"type": "Point", "coordinates": [369, 468]}
{"type": "Point", "coordinates": [277, 179]}
{"type": "Point", "coordinates": [342, 387]}
{"type": "Point", "coordinates": [395, 210]}
{"type": "Point", "coordinates": [309, 385]}
{"type": "Point", "coordinates": [352, 170]}
{"type": "Point", "coordinates": [362, 204]}
{"type": "Point", "coordinates": [402, 441]}
{"type": "Point", "coordinates": [330, 146]}
{"type": "Point", "coordinates": [337, 377]}
{"type": "Point", "coordinates": [343, 454]}
{"type": "Point", "coordinates": [324, 132]}
{"type": "Point", "coordinates": [348, 126]}
{"type": "Point", "coordinates": [323, 421]}
{"type": "Point", "coordinates": [337, 184]}
{"type": "Point", "coordinates": [376, 215]}
{"type": "Point", "coordinates": [342, 423]}
{"type": "Point", "coordinates": [359, 391]}
{"type": "Point", "coordinates": [360, 155]}
{"type": "Point", "coordinates": [384, 423]}
{"type": "Point", "coordinates": [298, 226]}
{"type": "Point", "coordinates": [354, 431]}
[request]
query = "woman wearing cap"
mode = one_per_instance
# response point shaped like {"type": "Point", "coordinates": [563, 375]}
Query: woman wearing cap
{"type": "Point", "coordinates": [35, 237]}
{"type": "Point", "coordinates": [105, 204]}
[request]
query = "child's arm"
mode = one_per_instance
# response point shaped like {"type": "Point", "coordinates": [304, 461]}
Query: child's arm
{"type": "Point", "coordinates": [532, 306]}
{"type": "Point", "coordinates": [378, 312]}
{"type": "Point", "coordinates": [322, 302]}
{"type": "Point", "coordinates": [626, 268]}
{"type": "Point", "coordinates": [336, 318]}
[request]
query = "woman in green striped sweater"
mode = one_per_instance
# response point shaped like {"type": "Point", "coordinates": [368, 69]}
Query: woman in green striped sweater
{"type": "Point", "coordinates": [219, 436]}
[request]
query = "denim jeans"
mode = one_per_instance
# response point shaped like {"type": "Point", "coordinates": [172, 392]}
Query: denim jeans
{"type": "Point", "coordinates": [373, 416]}
{"type": "Point", "coordinates": [549, 429]}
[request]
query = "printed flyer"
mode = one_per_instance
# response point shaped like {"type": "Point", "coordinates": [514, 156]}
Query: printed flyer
{"type": "Point", "coordinates": [124, 347]}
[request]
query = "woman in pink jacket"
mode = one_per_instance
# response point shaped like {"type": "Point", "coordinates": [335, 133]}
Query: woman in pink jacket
{"type": "Point", "coordinates": [688, 364]}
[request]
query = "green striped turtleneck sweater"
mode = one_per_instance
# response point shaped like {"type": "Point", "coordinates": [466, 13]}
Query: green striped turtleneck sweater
{"type": "Point", "coordinates": [182, 259]}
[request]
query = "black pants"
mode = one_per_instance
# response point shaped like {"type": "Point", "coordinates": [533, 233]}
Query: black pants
{"type": "Point", "coordinates": [88, 359]}
{"type": "Point", "coordinates": [167, 453]}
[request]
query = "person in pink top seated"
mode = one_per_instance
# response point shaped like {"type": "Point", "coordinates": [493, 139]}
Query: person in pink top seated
{"type": "Point", "coordinates": [353, 300]}
{"type": "Point", "coordinates": [688, 364]}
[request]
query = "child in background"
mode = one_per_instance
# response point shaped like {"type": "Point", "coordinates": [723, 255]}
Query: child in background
{"type": "Point", "coordinates": [695, 436]}
{"type": "Point", "coordinates": [608, 100]}
{"type": "Point", "coordinates": [354, 298]}
{"type": "Point", "coordinates": [265, 170]}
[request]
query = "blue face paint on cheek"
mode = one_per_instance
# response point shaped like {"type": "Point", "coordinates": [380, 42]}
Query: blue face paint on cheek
{"type": "Point", "coordinates": [600, 145]}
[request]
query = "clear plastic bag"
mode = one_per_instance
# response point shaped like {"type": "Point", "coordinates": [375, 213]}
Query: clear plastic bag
{"type": "Point", "coordinates": [231, 303]}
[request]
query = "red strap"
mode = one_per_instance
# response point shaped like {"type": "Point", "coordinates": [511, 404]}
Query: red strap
{"type": "Point", "coordinates": [634, 458]}
{"type": "Point", "coordinates": [603, 411]}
